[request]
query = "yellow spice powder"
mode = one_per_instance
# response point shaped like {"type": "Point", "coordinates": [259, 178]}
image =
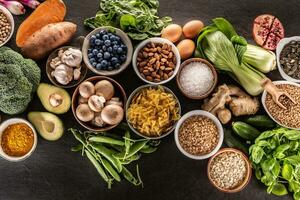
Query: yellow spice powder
{"type": "Point", "coordinates": [17, 139]}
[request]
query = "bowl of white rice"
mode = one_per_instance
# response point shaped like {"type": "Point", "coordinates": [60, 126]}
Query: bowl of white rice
{"type": "Point", "coordinates": [196, 78]}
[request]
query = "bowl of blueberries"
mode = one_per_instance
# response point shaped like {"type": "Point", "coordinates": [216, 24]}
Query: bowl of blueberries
{"type": "Point", "coordinates": [107, 51]}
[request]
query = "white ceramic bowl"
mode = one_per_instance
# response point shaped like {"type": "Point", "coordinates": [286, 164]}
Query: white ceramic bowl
{"type": "Point", "coordinates": [3, 126]}
{"type": "Point", "coordinates": [263, 99]}
{"type": "Point", "coordinates": [155, 40]}
{"type": "Point", "coordinates": [279, 48]}
{"type": "Point", "coordinates": [199, 113]}
{"type": "Point", "coordinates": [12, 22]}
{"type": "Point", "coordinates": [125, 39]}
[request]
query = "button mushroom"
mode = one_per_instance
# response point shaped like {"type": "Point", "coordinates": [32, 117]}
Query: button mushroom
{"type": "Point", "coordinates": [96, 103]}
{"type": "Point", "coordinates": [72, 57]}
{"type": "Point", "coordinates": [114, 101]}
{"type": "Point", "coordinates": [82, 100]}
{"type": "Point", "coordinates": [55, 62]}
{"type": "Point", "coordinates": [105, 88]}
{"type": "Point", "coordinates": [63, 74]}
{"type": "Point", "coordinates": [55, 100]}
{"type": "Point", "coordinates": [112, 114]}
{"type": "Point", "coordinates": [84, 113]}
{"type": "Point", "coordinates": [97, 121]}
{"type": "Point", "coordinates": [86, 89]}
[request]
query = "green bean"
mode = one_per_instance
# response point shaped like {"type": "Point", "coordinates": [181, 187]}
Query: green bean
{"type": "Point", "coordinates": [108, 140]}
{"type": "Point", "coordinates": [97, 165]}
{"type": "Point", "coordinates": [129, 177]}
{"type": "Point", "coordinates": [110, 170]}
{"type": "Point", "coordinates": [77, 148]}
{"type": "Point", "coordinates": [107, 153]}
{"type": "Point", "coordinates": [148, 149]}
{"type": "Point", "coordinates": [117, 148]}
{"type": "Point", "coordinates": [133, 150]}
{"type": "Point", "coordinates": [130, 159]}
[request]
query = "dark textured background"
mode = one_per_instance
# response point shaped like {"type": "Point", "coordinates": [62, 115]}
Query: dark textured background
{"type": "Point", "coordinates": [55, 173]}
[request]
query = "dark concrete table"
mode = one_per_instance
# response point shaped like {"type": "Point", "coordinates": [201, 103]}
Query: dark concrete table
{"type": "Point", "coordinates": [53, 172]}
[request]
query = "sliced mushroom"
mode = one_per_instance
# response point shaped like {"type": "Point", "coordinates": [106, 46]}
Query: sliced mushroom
{"type": "Point", "coordinates": [72, 57]}
{"type": "Point", "coordinates": [86, 89]}
{"type": "Point", "coordinates": [112, 114]}
{"type": "Point", "coordinates": [97, 121]}
{"type": "Point", "coordinates": [82, 100]}
{"type": "Point", "coordinates": [55, 100]}
{"type": "Point", "coordinates": [84, 113]}
{"type": "Point", "coordinates": [114, 101]}
{"type": "Point", "coordinates": [77, 73]}
{"type": "Point", "coordinates": [55, 62]}
{"type": "Point", "coordinates": [105, 88]}
{"type": "Point", "coordinates": [96, 103]}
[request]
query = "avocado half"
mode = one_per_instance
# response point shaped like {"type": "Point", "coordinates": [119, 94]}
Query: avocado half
{"type": "Point", "coordinates": [48, 125]}
{"type": "Point", "coordinates": [46, 91]}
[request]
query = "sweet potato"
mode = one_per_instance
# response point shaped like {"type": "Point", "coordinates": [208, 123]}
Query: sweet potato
{"type": "Point", "coordinates": [50, 11]}
{"type": "Point", "coordinates": [51, 36]}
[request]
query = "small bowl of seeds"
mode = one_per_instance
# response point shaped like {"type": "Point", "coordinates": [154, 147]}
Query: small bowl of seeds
{"type": "Point", "coordinates": [229, 170]}
{"type": "Point", "coordinates": [199, 134]}
{"type": "Point", "coordinates": [7, 25]}
{"type": "Point", "coordinates": [288, 117]}
{"type": "Point", "coordinates": [288, 58]}
{"type": "Point", "coordinates": [156, 61]}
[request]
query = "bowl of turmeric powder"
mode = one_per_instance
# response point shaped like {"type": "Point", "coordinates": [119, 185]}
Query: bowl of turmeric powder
{"type": "Point", "coordinates": [18, 139]}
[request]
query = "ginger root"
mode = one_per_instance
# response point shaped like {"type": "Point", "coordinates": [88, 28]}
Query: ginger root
{"type": "Point", "coordinates": [239, 103]}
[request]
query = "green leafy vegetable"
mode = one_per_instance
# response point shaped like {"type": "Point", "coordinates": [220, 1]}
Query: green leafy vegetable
{"type": "Point", "coordinates": [276, 160]}
{"type": "Point", "coordinates": [138, 18]}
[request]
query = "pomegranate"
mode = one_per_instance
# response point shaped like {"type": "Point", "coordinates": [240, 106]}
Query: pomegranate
{"type": "Point", "coordinates": [267, 31]}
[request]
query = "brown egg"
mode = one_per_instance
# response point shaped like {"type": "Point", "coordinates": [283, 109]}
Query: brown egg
{"type": "Point", "coordinates": [192, 28]}
{"type": "Point", "coordinates": [186, 48]}
{"type": "Point", "coordinates": [172, 32]}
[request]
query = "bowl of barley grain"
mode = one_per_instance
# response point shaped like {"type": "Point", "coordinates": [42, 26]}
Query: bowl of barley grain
{"type": "Point", "coordinates": [289, 117]}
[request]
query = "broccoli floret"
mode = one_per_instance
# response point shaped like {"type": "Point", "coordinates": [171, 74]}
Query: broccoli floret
{"type": "Point", "coordinates": [19, 79]}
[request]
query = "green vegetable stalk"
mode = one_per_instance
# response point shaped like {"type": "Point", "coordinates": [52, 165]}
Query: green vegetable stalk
{"type": "Point", "coordinates": [138, 18]}
{"type": "Point", "coordinates": [275, 157]}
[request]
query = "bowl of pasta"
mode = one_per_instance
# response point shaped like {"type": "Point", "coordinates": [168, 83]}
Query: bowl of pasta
{"type": "Point", "coordinates": [152, 111]}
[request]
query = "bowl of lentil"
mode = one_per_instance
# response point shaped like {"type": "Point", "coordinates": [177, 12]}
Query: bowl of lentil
{"type": "Point", "coordinates": [198, 134]}
{"type": "Point", "coordinates": [18, 139]}
{"type": "Point", "coordinates": [152, 111]}
{"type": "Point", "coordinates": [196, 78]}
{"type": "Point", "coordinates": [229, 170]}
{"type": "Point", "coordinates": [7, 25]}
{"type": "Point", "coordinates": [288, 117]}
{"type": "Point", "coordinates": [288, 58]}
{"type": "Point", "coordinates": [156, 61]}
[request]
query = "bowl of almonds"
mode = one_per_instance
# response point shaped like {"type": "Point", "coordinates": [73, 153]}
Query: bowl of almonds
{"type": "Point", "coordinates": [156, 61]}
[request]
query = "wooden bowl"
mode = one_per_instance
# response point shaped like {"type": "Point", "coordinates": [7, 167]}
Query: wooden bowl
{"type": "Point", "coordinates": [248, 173]}
{"type": "Point", "coordinates": [124, 38]}
{"type": "Point", "coordinates": [212, 68]}
{"type": "Point", "coordinates": [73, 83]}
{"type": "Point", "coordinates": [119, 92]}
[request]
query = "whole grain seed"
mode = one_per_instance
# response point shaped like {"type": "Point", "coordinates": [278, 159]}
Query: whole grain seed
{"type": "Point", "coordinates": [228, 170]}
{"type": "Point", "coordinates": [290, 59]}
{"type": "Point", "coordinates": [158, 59]}
{"type": "Point", "coordinates": [290, 116]}
{"type": "Point", "coordinates": [198, 135]}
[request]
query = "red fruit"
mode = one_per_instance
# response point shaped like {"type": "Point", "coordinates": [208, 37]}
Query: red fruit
{"type": "Point", "coordinates": [267, 31]}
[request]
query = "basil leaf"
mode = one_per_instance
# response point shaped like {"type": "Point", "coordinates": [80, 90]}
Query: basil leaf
{"type": "Point", "coordinates": [257, 154]}
{"type": "Point", "coordinates": [292, 134]}
{"type": "Point", "coordinates": [293, 160]}
{"type": "Point", "coordinates": [279, 152]}
{"type": "Point", "coordinates": [287, 172]}
{"type": "Point", "coordinates": [279, 189]}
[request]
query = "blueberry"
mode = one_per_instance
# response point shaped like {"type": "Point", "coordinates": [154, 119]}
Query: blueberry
{"type": "Point", "coordinates": [114, 60]}
{"type": "Point", "coordinates": [98, 35]}
{"type": "Point", "coordinates": [99, 55]}
{"type": "Point", "coordinates": [115, 42]}
{"type": "Point", "coordinates": [89, 50]}
{"type": "Point", "coordinates": [105, 37]}
{"type": "Point", "coordinates": [93, 37]}
{"type": "Point", "coordinates": [117, 38]}
{"type": "Point", "coordinates": [98, 66]}
{"type": "Point", "coordinates": [124, 47]}
{"type": "Point", "coordinates": [94, 64]}
{"type": "Point", "coordinates": [108, 64]}
{"type": "Point", "coordinates": [106, 55]}
{"type": "Point", "coordinates": [123, 58]}
{"type": "Point", "coordinates": [90, 55]}
{"type": "Point", "coordinates": [110, 68]}
{"type": "Point", "coordinates": [104, 63]}
{"type": "Point", "coordinates": [109, 34]}
{"type": "Point", "coordinates": [120, 50]}
{"type": "Point", "coordinates": [107, 43]}
{"type": "Point", "coordinates": [103, 32]}
{"type": "Point", "coordinates": [95, 52]}
{"type": "Point", "coordinates": [117, 66]}
{"type": "Point", "coordinates": [92, 60]}
{"type": "Point", "coordinates": [100, 60]}
{"type": "Point", "coordinates": [97, 42]}
{"type": "Point", "coordinates": [112, 38]}
{"type": "Point", "coordinates": [109, 49]}
{"type": "Point", "coordinates": [104, 48]}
